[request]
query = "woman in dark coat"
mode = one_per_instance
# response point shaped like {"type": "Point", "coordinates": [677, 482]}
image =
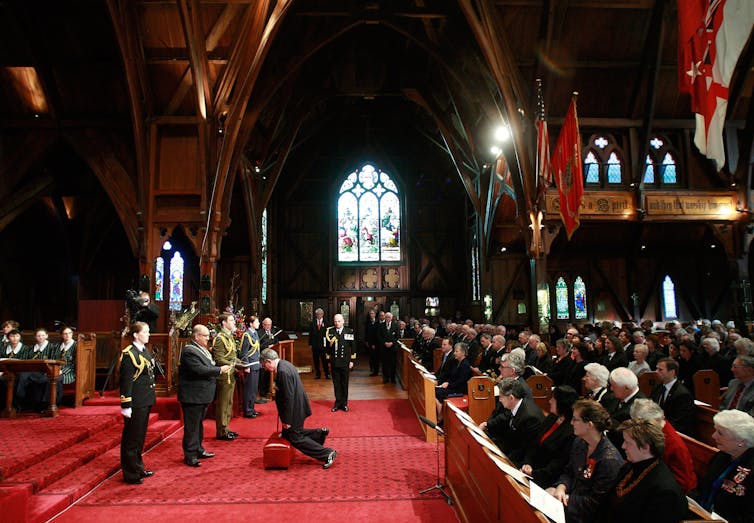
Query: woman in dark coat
{"type": "Point", "coordinates": [646, 490]}
{"type": "Point", "coordinates": [593, 464]}
{"type": "Point", "coordinates": [456, 384]}
{"type": "Point", "coordinates": [548, 459]}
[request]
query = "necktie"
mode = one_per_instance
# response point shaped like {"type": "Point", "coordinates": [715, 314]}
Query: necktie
{"type": "Point", "coordinates": [664, 396]}
{"type": "Point", "coordinates": [388, 325]}
{"type": "Point", "coordinates": [737, 396]}
{"type": "Point", "coordinates": [338, 332]}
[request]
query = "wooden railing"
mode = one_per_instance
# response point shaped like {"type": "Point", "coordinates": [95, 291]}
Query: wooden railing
{"type": "Point", "coordinates": [421, 394]}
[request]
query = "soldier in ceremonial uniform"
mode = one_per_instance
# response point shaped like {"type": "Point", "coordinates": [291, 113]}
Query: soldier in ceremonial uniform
{"type": "Point", "coordinates": [224, 352]}
{"type": "Point", "coordinates": [250, 354]}
{"type": "Point", "coordinates": [136, 399]}
{"type": "Point", "coordinates": [341, 353]}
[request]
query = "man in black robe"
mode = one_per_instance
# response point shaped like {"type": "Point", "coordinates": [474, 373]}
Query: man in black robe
{"type": "Point", "coordinates": [293, 409]}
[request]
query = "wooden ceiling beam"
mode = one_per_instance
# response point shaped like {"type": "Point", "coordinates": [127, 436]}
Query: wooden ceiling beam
{"type": "Point", "coordinates": [115, 180]}
{"type": "Point", "coordinates": [451, 140]}
{"type": "Point", "coordinates": [23, 198]}
{"type": "Point", "coordinates": [129, 42]}
{"type": "Point", "coordinates": [210, 44]}
{"type": "Point", "coordinates": [231, 149]}
{"type": "Point", "coordinates": [18, 160]}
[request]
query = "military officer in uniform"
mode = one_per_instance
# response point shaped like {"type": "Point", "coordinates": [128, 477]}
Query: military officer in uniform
{"type": "Point", "coordinates": [250, 355]}
{"type": "Point", "coordinates": [224, 352]}
{"type": "Point", "coordinates": [341, 353]}
{"type": "Point", "coordinates": [136, 399]}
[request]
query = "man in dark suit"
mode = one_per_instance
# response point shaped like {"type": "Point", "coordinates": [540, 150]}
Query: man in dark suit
{"type": "Point", "coordinates": [267, 338]}
{"type": "Point", "coordinates": [515, 428]}
{"type": "Point", "coordinates": [388, 337]}
{"type": "Point", "coordinates": [372, 343]}
{"type": "Point", "coordinates": [317, 343]}
{"type": "Point", "coordinates": [448, 362]}
{"type": "Point", "coordinates": [196, 390]}
{"type": "Point", "coordinates": [740, 395]}
{"type": "Point", "coordinates": [341, 353]}
{"type": "Point", "coordinates": [136, 399]}
{"type": "Point", "coordinates": [674, 398]}
{"type": "Point", "coordinates": [625, 386]}
{"type": "Point", "coordinates": [293, 409]}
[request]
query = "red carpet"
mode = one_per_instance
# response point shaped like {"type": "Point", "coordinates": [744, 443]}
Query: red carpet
{"type": "Point", "coordinates": [382, 464]}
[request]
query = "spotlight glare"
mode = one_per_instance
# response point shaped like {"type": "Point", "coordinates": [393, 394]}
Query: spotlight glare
{"type": "Point", "coordinates": [495, 150]}
{"type": "Point", "coordinates": [502, 133]}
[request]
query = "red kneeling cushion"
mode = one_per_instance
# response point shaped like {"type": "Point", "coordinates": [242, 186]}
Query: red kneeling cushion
{"type": "Point", "coordinates": [277, 452]}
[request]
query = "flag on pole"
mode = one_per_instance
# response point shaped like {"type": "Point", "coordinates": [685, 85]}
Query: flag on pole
{"type": "Point", "coordinates": [568, 172]}
{"type": "Point", "coordinates": [543, 168]}
{"type": "Point", "coordinates": [712, 35]}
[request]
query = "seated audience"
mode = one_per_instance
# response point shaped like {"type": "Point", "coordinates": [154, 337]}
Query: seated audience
{"type": "Point", "coordinates": [688, 363]}
{"type": "Point", "coordinates": [625, 386]}
{"type": "Point", "coordinates": [652, 343]}
{"type": "Point", "coordinates": [577, 371]}
{"type": "Point", "coordinates": [640, 365]}
{"type": "Point", "coordinates": [592, 467]}
{"type": "Point", "coordinates": [447, 363]}
{"type": "Point", "coordinates": [714, 360]}
{"type": "Point", "coordinates": [614, 356]}
{"type": "Point", "coordinates": [512, 366]}
{"type": "Point", "coordinates": [515, 427]}
{"type": "Point", "coordinates": [677, 456]}
{"type": "Point", "coordinates": [674, 398]}
{"type": "Point", "coordinates": [646, 490]}
{"type": "Point", "coordinates": [548, 459]}
{"type": "Point", "coordinates": [456, 382]}
{"type": "Point", "coordinates": [740, 394]}
{"type": "Point", "coordinates": [16, 350]}
{"type": "Point", "coordinates": [728, 486]}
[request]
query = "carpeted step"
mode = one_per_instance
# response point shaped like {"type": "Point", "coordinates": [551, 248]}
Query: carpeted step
{"type": "Point", "coordinates": [83, 479]}
{"type": "Point", "coordinates": [165, 427]}
{"type": "Point", "coordinates": [42, 508]}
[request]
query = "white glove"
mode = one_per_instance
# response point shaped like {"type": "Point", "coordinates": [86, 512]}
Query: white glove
{"type": "Point", "coordinates": [126, 412]}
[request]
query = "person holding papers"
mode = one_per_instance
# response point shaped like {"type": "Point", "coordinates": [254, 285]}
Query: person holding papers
{"type": "Point", "coordinates": [456, 381]}
{"type": "Point", "coordinates": [593, 465]}
{"type": "Point", "coordinates": [646, 490]}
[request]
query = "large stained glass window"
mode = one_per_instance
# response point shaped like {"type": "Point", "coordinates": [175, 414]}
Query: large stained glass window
{"type": "Point", "coordinates": [579, 298]}
{"type": "Point", "coordinates": [159, 278]}
{"type": "Point", "coordinates": [176, 281]}
{"type": "Point", "coordinates": [561, 299]}
{"type": "Point", "coordinates": [668, 298]}
{"type": "Point", "coordinates": [369, 217]}
{"type": "Point", "coordinates": [264, 256]}
{"type": "Point", "coordinates": [543, 301]}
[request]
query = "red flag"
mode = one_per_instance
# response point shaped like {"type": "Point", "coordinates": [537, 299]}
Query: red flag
{"type": "Point", "coordinates": [568, 172]}
{"type": "Point", "coordinates": [712, 35]}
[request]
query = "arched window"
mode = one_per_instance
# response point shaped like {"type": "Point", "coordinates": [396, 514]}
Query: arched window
{"type": "Point", "coordinates": [662, 165]}
{"type": "Point", "coordinates": [176, 282]}
{"type": "Point", "coordinates": [603, 162]}
{"type": "Point", "coordinates": [264, 256]}
{"type": "Point", "coordinates": [579, 298]}
{"type": "Point", "coordinates": [159, 278]}
{"type": "Point", "coordinates": [543, 300]}
{"type": "Point", "coordinates": [561, 300]}
{"type": "Point", "coordinates": [369, 217]}
{"type": "Point", "coordinates": [592, 168]}
{"type": "Point", "coordinates": [668, 298]}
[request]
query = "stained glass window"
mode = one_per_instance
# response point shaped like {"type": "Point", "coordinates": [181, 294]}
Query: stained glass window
{"type": "Point", "coordinates": [649, 171]}
{"type": "Point", "coordinates": [668, 298]}
{"type": "Point", "coordinates": [369, 217]}
{"type": "Point", "coordinates": [579, 298]}
{"type": "Point", "coordinates": [613, 169]}
{"type": "Point", "coordinates": [159, 277]}
{"type": "Point", "coordinates": [592, 168]}
{"type": "Point", "coordinates": [176, 282]}
{"type": "Point", "coordinates": [543, 300]}
{"type": "Point", "coordinates": [264, 256]}
{"type": "Point", "coordinates": [668, 170]}
{"type": "Point", "coordinates": [476, 289]}
{"type": "Point", "coordinates": [561, 299]}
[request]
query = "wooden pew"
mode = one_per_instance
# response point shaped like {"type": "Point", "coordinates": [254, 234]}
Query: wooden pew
{"type": "Point", "coordinates": [647, 382]}
{"type": "Point", "coordinates": [421, 396]}
{"type": "Point", "coordinates": [707, 387]}
{"type": "Point", "coordinates": [86, 368]}
{"type": "Point", "coordinates": [704, 425]}
{"type": "Point", "coordinates": [481, 491]}
{"type": "Point", "coordinates": [481, 396]}
{"type": "Point", "coordinates": [541, 390]}
{"type": "Point", "coordinates": [12, 367]}
{"type": "Point", "coordinates": [701, 454]}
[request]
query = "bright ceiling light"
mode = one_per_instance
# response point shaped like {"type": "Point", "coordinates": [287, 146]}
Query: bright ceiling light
{"type": "Point", "coordinates": [502, 133]}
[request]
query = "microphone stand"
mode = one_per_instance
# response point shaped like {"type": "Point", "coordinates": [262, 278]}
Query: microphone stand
{"type": "Point", "coordinates": [438, 485]}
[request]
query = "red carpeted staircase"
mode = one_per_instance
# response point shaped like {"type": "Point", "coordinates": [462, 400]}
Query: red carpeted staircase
{"type": "Point", "coordinates": [48, 463]}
